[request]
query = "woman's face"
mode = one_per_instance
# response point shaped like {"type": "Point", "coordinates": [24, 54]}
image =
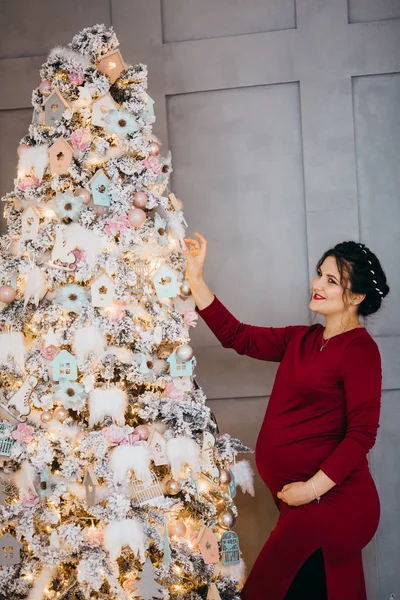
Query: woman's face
{"type": "Point", "coordinates": [327, 286]}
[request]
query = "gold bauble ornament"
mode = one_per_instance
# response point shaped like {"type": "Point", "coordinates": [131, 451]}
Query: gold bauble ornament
{"type": "Point", "coordinates": [172, 487]}
{"type": "Point", "coordinates": [226, 519]}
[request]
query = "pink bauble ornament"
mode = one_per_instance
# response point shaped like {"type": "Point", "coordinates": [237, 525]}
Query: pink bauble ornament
{"type": "Point", "coordinates": [60, 414]}
{"type": "Point", "coordinates": [83, 193]}
{"type": "Point", "coordinates": [154, 148]}
{"type": "Point", "coordinates": [7, 294]}
{"type": "Point", "coordinates": [177, 528]}
{"type": "Point", "coordinates": [139, 199]}
{"type": "Point", "coordinates": [44, 86]}
{"type": "Point", "coordinates": [142, 431]}
{"type": "Point", "coordinates": [136, 217]}
{"type": "Point", "coordinates": [225, 477]}
{"type": "Point", "coordinates": [46, 416]}
{"type": "Point", "coordinates": [145, 299]}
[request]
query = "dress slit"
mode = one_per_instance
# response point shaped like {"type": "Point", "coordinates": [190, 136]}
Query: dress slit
{"type": "Point", "coordinates": [310, 581]}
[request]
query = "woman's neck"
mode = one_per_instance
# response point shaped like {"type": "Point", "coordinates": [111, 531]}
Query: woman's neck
{"type": "Point", "coordinates": [337, 324]}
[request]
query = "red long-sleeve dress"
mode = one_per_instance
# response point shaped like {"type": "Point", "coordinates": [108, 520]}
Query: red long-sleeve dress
{"type": "Point", "coordinates": [323, 413]}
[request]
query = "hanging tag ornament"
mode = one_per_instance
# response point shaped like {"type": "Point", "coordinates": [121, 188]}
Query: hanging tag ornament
{"type": "Point", "coordinates": [213, 593]}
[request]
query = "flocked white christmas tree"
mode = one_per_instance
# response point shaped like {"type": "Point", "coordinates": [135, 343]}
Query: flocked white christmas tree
{"type": "Point", "coordinates": [105, 437]}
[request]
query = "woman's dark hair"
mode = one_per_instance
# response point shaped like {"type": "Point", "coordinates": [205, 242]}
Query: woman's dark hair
{"type": "Point", "coordinates": [362, 268]}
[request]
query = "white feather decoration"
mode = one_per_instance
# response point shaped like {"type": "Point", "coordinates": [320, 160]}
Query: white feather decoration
{"type": "Point", "coordinates": [244, 476]}
{"type": "Point", "coordinates": [136, 458]}
{"type": "Point", "coordinates": [182, 450]}
{"type": "Point", "coordinates": [176, 228]}
{"type": "Point", "coordinates": [237, 571]}
{"type": "Point", "coordinates": [35, 158]}
{"type": "Point", "coordinates": [77, 236]}
{"type": "Point", "coordinates": [40, 584]}
{"type": "Point", "coordinates": [12, 345]}
{"type": "Point", "coordinates": [25, 478]}
{"type": "Point", "coordinates": [122, 354]}
{"type": "Point", "coordinates": [128, 532]}
{"type": "Point", "coordinates": [111, 402]}
{"type": "Point", "coordinates": [88, 339]}
{"type": "Point", "coordinates": [35, 286]}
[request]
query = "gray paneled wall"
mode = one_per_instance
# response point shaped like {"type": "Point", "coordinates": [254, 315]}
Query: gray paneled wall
{"type": "Point", "coordinates": [283, 120]}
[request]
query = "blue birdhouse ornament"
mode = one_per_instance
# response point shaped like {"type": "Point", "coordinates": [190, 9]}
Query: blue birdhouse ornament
{"type": "Point", "coordinates": [100, 188]}
{"type": "Point", "coordinates": [148, 112]}
{"type": "Point", "coordinates": [230, 549]}
{"type": "Point", "coordinates": [64, 366]}
{"type": "Point", "coordinates": [178, 368]}
{"type": "Point", "coordinates": [166, 282]}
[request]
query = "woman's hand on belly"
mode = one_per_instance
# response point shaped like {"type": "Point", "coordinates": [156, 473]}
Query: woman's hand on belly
{"type": "Point", "coordinates": [297, 494]}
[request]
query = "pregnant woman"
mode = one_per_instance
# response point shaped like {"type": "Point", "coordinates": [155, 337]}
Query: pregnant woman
{"type": "Point", "coordinates": [322, 419]}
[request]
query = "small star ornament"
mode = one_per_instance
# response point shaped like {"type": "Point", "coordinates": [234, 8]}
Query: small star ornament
{"type": "Point", "coordinates": [51, 338]}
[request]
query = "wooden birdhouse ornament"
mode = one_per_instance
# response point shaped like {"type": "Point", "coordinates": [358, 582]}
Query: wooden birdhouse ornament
{"type": "Point", "coordinates": [64, 366]}
{"type": "Point", "coordinates": [90, 482]}
{"type": "Point", "coordinates": [6, 442]}
{"type": "Point", "coordinates": [230, 549]}
{"type": "Point", "coordinates": [10, 550]}
{"type": "Point", "coordinates": [112, 65]}
{"type": "Point", "coordinates": [177, 368]}
{"type": "Point", "coordinates": [158, 446]}
{"type": "Point", "coordinates": [101, 108]}
{"type": "Point", "coordinates": [30, 223]}
{"type": "Point", "coordinates": [100, 188]}
{"type": "Point", "coordinates": [208, 544]}
{"type": "Point", "coordinates": [54, 107]}
{"type": "Point", "coordinates": [60, 155]}
{"type": "Point", "coordinates": [102, 290]}
{"type": "Point", "coordinates": [166, 282]}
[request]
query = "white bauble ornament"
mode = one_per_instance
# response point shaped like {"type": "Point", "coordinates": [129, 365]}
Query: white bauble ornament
{"type": "Point", "coordinates": [184, 353]}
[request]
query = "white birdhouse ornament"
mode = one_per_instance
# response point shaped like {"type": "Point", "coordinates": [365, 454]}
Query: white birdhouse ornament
{"type": "Point", "coordinates": [112, 65]}
{"type": "Point", "coordinates": [166, 282]}
{"type": "Point", "coordinates": [100, 188]}
{"type": "Point", "coordinates": [60, 154]}
{"type": "Point", "coordinates": [102, 290]}
{"type": "Point", "coordinates": [64, 366]}
{"type": "Point", "coordinates": [178, 368]}
{"type": "Point", "coordinates": [158, 446]}
{"type": "Point", "coordinates": [101, 108]}
{"type": "Point", "coordinates": [54, 107]}
{"type": "Point", "coordinates": [30, 223]}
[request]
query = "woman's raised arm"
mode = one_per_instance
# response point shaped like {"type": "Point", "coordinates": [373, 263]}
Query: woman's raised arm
{"type": "Point", "coordinates": [264, 343]}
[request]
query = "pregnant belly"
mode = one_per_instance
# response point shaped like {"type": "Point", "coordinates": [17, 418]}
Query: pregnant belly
{"type": "Point", "coordinates": [287, 456]}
